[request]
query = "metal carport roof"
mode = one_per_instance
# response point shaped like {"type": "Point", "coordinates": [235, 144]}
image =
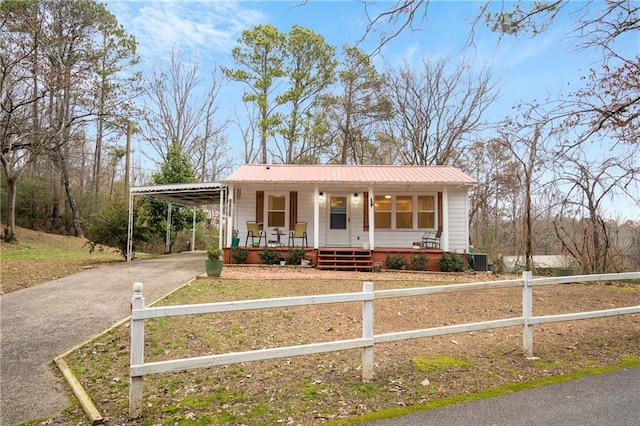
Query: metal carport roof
{"type": "Point", "coordinates": [191, 194]}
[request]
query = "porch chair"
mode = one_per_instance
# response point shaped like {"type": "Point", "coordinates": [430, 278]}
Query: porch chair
{"type": "Point", "coordinates": [253, 232]}
{"type": "Point", "coordinates": [299, 231]}
{"type": "Point", "coordinates": [429, 241]}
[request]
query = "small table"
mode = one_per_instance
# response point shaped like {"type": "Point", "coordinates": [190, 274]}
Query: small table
{"type": "Point", "coordinates": [278, 235]}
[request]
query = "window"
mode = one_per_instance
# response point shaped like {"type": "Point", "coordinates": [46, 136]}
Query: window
{"type": "Point", "coordinates": [426, 211]}
{"type": "Point", "coordinates": [404, 212]}
{"type": "Point", "coordinates": [383, 211]}
{"type": "Point", "coordinates": [338, 213]}
{"type": "Point", "coordinates": [276, 211]}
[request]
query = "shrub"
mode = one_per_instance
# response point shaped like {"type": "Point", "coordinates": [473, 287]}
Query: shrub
{"type": "Point", "coordinates": [395, 262]}
{"type": "Point", "coordinates": [269, 257]}
{"type": "Point", "coordinates": [239, 255]}
{"type": "Point", "coordinates": [451, 262]}
{"type": "Point", "coordinates": [109, 228]}
{"type": "Point", "coordinates": [295, 256]}
{"type": "Point", "coordinates": [213, 253]}
{"type": "Point", "coordinates": [419, 262]}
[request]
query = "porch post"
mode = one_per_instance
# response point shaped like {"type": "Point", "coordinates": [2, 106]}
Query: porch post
{"type": "Point", "coordinates": [223, 233]}
{"type": "Point", "coordinates": [316, 217]}
{"type": "Point", "coordinates": [372, 224]}
{"type": "Point", "coordinates": [227, 200]}
{"type": "Point", "coordinates": [445, 219]}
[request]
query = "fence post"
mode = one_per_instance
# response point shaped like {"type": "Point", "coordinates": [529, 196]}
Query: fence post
{"type": "Point", "coordinates": [367, 333]}
{"type": "Point", "coordinates": [527, 313]}
{"type": "Point", "coordinates": [137, 353]}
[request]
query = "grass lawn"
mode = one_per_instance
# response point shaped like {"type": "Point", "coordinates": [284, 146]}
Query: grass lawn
{"type": "Point", "coordinates": [327, 388]}
{"type": "Point", "coordinates": [39, 257]}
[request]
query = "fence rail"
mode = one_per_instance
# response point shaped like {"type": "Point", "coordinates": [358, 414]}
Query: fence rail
{"type": "Point", "coordinates": [139, 313]}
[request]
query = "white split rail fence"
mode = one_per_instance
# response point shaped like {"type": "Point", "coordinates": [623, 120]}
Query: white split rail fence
{"type": "Point", "coordinates": [139, 313]}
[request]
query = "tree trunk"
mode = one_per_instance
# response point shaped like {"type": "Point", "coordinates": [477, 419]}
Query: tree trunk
{"type": "Point", "coordinates": [55, 208]}
{"type": "Point", "coordinates": [10, 218]}
{"type": "Point", "coordinates": [72, 201]}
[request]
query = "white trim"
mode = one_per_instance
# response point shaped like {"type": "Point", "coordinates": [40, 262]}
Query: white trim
{"type": "Point", "coordinates": [414, 210]}
{"type": "Point", "coordinates": [341, 233]}
{"type": "Point", "coordinates": [466, 233]}
{"type": "Point", "coordinates": [265, 211]}
{"type": "Point", "coordinates": [316, 217]}
{"type": "Point", "coordinates": [445, 219]}
{"type": "Point", "coordinates": [372, 219]}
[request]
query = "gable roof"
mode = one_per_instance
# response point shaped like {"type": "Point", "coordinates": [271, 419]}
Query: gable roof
{"type": "Point", "coordinates": [341, 174]}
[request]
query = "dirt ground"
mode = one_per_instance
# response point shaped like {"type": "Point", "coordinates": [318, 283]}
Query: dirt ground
{"type": "Point", "coordinates": [312, 390]}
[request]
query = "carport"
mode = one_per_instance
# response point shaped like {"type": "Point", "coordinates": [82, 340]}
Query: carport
{"type": "Point", "coordinates": [189, 194]}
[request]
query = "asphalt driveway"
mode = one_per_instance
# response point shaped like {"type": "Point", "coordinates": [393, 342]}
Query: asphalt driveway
{"type": "Point", "coordinates": [42, 322]}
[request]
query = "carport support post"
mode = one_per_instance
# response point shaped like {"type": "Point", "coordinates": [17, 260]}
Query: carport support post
{"type": "Point", "coordinates": [167, 242]}
{"type": "Point", "coordinates": [193, 232]}
{"type": "Point", "coordinates": [367, 333]}
{"type": "Point", "coordinates": [137, 353]}
{"type": "Point", "coordinates": [527, 313]}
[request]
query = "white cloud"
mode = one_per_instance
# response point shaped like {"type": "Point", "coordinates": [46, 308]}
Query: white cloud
{"type": "Point", "coordinates": [193, 27]}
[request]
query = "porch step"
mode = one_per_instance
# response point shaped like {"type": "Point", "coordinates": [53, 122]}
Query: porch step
{"type": "Point", "coordinates": [345, 259]}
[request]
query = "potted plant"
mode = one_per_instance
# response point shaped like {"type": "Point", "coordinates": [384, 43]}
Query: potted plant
{"type": "Point", "coordinates": [214, 261]}
{"type": "Point", "coordinates": [235, 240]}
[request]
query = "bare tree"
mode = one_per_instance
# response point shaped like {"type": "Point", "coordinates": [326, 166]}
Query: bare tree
{"type": "Point", "coordinates": [437, 109]}
{"type": "Point", "coordinates": [580, 224]}
{"type": "Point", "coordinates": [499, 185]}
{"type": "Point", "coordinates": [180, 111]}
{"type": "Point", "coordinates": [18, 97]}
{"type": "Point", "coordinates": [528, 138]}
{"type": "Point", "coordinates": [401, 16]}
{"type": "Point", "coordinates": [610, 99]}
{"type": "Point", "coordinates": [248, 128]}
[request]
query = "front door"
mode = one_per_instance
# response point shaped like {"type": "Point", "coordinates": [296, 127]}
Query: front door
{"type": "Point", "coordinates": [338, 221]}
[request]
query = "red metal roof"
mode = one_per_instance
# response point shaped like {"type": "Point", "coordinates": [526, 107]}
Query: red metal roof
{"type": "Point", "coordinates": [340, 174]}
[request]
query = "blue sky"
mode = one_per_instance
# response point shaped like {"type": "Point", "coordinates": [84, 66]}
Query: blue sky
{"type": "Point", "coordinates": [525, 68]}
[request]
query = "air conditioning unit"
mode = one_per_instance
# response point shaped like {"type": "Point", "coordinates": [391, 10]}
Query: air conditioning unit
{"type": "Point", "coordinates": [480, 262]}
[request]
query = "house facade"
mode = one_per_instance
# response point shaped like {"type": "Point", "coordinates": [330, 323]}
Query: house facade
{"type": "Point", "coordinates": [365, 207]}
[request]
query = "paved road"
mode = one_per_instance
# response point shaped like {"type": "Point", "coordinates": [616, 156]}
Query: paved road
{"type": "Point", "coordinates": [42, 322]}
{"type": "Point", "coordinates": [606, 399]}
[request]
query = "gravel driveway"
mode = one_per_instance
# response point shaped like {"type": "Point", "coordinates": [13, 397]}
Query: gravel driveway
{"type": "Point", "coordinates": [42, 322]}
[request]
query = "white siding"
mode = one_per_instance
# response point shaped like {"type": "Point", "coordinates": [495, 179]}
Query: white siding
{"type": "Point", "coordinates": [457, 221]}
{"type": "Point", "coordinates": [245, 210]}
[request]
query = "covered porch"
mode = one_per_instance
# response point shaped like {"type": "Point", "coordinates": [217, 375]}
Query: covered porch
{"type": "Point", "coordinates": [350, 207]}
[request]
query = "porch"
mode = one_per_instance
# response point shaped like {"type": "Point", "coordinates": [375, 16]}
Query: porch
{"type": "Point", "coordinates": [345, 258]}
